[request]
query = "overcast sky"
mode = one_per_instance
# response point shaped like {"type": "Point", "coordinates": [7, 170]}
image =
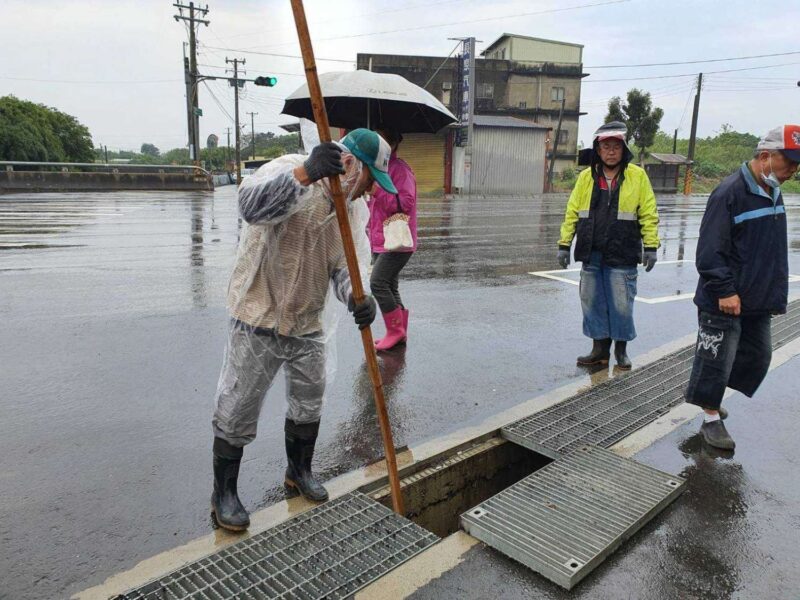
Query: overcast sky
{"type": "Point", "coordinates": [117, 66]}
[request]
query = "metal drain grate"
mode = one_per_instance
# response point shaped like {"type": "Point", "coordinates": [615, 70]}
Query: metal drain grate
{"type": "Point", "coordinates": [566, 518]}
{"type": "Point", "coordinates": [786, 327]}
{"type": "Point", "coordinates": [609, 412]}
{"type": "Point", "coordinates": [328, 552]}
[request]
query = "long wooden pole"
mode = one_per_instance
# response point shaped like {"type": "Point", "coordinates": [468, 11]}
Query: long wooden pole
{"type": "Point", "coordinates": [321, 118]}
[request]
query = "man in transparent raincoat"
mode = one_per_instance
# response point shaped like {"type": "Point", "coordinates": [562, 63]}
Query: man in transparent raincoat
{"type": "Point", "coordinates": [290, 254]}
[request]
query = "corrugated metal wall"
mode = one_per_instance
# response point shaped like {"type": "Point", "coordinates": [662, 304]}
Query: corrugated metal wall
{"type": "Point", "coordinates": [424, 152]}
{"type": "Point", "coordinates": [508, 160]}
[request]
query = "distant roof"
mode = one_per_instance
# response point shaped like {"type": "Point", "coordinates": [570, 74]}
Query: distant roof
{"type": "Point", "coordinates": [671, 159]}
{"type": "Point", "coordinates": [526, 37]}
{"type": "Point", "coordinates": [290, 127]}
{"type": "Point", "coordinates": [492, 121]}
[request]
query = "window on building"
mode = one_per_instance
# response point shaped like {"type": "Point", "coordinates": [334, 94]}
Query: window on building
{"type": "Point", "coordinates": [563, 136]}
{"type": "Point", "coordinates": [446, 97]}
{"type": "Point", "coordinates": [523, 105]}
{"type": "Point", "coordinates": [503, 54]}
{"type": "Point", "coordinates": [557, 94]}
{"type": "Point", "coordinates": [485, 90]}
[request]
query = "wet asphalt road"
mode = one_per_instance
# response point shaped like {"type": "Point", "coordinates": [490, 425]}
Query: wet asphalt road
{"type": "Point", "coordinates": [732, 534]}
{"type": "Point", "coordinates": [113, 327]}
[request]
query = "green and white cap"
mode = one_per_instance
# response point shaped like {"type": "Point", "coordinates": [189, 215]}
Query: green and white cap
{"type": "Point", "coordinates": [371, 149]}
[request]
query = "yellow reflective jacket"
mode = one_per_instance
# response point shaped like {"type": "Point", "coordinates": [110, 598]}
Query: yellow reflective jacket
{"type": "Point", "coordinates": [636, 220]}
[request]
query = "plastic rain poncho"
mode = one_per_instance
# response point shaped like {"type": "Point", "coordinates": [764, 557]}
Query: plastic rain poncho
{"type": "Point", "coordinates": [288, 289]}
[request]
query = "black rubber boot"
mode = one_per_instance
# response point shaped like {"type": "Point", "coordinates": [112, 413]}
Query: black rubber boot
{"type": "Point", "coordinates": [300, 441]}
{"type": "Point", "coordinates": [623, 362]}
{"type": "Point", "coordinates": [601, 352]}
{"type": "Point", "coordinates": [716, 435]}
{"type": "Point", "coordinates": [225, 503]}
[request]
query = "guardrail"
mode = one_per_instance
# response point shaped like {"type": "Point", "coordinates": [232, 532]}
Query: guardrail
{"type": "Point", "coordinates": [17, 165]}
{"type": "Point", "coordinates": [29, 176]}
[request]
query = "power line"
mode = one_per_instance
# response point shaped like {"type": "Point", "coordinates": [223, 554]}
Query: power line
{"type": "Point", "coordinates": [685, 108]}
{"type": "Point", "coordinates": [218, 103]}
{"type": "Point", "coordinates": [241, 51]}
{"type": "Point", "coordinates": [439, 68]}
{"type": "Point", "coordinates": [454, 23]}
{"type": "Point", "coordinates": [425, 5]}
{"type": "Point", "coordinates": [84, 81]}
{"type": "Point", "coordinates": [653, 96]}
{"type": "Point", "coordinates": [693, 62]}
{"type": "Point", "coordinates": [738, 90]}
{"type": "Point", "coordinates": [690, 74]}
{"type": "Point", "coordinates": [271, 72]}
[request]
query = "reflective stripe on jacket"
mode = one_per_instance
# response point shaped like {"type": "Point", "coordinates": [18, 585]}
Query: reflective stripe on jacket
{"type": "Point", "coordinates": [636, 219]}
{"type": "Point", "coordinates": [742, 248]}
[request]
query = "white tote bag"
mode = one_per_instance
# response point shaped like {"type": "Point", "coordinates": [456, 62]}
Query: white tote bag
{"type": "Point", "coordinates": [396, 232]}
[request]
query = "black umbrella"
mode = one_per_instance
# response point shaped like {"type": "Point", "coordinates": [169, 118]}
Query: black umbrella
{"type": "Point", "coordinates": [356, 99]}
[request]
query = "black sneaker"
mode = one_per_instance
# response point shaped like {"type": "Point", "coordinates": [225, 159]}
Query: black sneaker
{"type": "Point", "coordinates": [716, 435]}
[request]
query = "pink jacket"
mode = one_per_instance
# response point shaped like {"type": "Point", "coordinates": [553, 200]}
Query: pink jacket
{"type": "Point", "coordinates": [383, 204]}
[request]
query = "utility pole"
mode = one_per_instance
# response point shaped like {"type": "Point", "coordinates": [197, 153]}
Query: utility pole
{"type": "Point", "coordinates": [193, 109]}
{"type": "Point", "coordinates": [555, 146]}
{"type": "Point", "coordinates": [228, 153]}
{"type": "Point", "coordinates": [687, 182]}
{"type": "Point", "coordinates": [187, 77]}
{"type": "Point", "coordinates": [675, 142]}
{"type": "Point", "coordinates": [236, 84]}
{"type": "Point", "coordinates": [253, 134]}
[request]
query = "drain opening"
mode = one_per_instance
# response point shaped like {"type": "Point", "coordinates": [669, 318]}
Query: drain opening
{"type": "Point", "coordinates": [436, 494]}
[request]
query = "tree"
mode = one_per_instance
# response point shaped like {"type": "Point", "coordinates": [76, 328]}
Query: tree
{"type": "Point", "coordinates": [716, 156]}
{"type": "Point", "coordinates": [150, 150]}
{"type": "Point", "coordinates": [640, 117]}
{"type": "Point", "coordinates": [215, 158]}
{"type": "Point", "coordinates": [34, 132]}
{"type": "Point", "coordinates": [176, 156]}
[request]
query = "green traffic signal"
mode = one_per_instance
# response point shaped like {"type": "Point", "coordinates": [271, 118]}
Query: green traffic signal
{"type": "Point", "coordinates": [266, 81]}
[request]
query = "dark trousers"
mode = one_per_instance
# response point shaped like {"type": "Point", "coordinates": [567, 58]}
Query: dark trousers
{"type": "Point", "coordinates": [385, 279]}
{"type": "Point", "coordinates": [732, 352]}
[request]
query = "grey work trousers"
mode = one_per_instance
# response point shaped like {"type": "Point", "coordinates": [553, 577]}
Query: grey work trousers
{"type": "Point", "coordinates": [252, 360]}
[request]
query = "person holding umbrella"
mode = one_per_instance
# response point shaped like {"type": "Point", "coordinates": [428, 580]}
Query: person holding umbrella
{"type": "Point", "coordinates": [290, 254]}
{"type": "Point", "coordinates": [389, 260]}
{"type": "Point", "coordinates": [612, 212]}
{"type": "Point", "coordinates": [360, 98]}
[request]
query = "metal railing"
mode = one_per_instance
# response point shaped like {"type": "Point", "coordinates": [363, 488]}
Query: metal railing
{"type": "Point", "coordinates": [16, 165]}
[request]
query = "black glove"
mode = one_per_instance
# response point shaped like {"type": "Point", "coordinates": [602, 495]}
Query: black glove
{"type": "Point", "coordinates": [563, 258]}
{"type": "Point", "coordinates": [364, 313]}
{"type": "Point", "coordinates": [649, 259]}
{"type": "Point", "coordinates": [325, 160]}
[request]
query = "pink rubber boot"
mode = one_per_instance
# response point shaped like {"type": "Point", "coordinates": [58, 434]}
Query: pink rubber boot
{"type": "Point", "coordinates": [405, 320]}
{"type": "Point", "coordinates": [395, 330]}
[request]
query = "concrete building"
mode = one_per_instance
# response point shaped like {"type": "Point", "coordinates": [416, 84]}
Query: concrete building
{"type": "Point", "coordinates": [518, 76]}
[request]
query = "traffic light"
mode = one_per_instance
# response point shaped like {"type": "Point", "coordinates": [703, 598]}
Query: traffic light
{"type": "Point", "coordinates": [266, 81]}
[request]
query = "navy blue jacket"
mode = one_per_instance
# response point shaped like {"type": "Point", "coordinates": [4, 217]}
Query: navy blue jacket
{"type": "Point", "coordinates": [742, 248]}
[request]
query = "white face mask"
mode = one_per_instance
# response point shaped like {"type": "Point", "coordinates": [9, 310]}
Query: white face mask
{"type": "Point", "coordinates": [770, 179]}
{"type": "Point", "coordinates": [349, 180]}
